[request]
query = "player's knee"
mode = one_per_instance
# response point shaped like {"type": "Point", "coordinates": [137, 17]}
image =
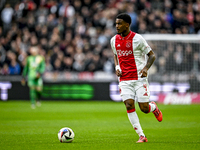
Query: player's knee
{"type": "Point", "coordinates": [32, 87]}
{"type": "Point", "coordinates": [129, 104]}
{"type": "Point", "coordinates": [39, 89]}
{"type": "Point", "coordinates": [145, 109]}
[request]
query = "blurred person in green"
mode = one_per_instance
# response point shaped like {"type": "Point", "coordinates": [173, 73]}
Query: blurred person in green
{"type": "Point", "coordinates": [33, 69]}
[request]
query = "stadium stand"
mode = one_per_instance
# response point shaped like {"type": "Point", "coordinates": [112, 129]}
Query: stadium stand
{"type": "Point", "coordinates": [73, 35]}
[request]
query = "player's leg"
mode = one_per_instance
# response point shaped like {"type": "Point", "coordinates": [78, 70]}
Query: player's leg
{"type": "Point", "coordinates": [143, 95]}
{"type": "Point", "coordinates": [32, 93]}
{"type": "Point", "coordinates": [151, 107]}
{"type": "Point", "coordinates": [39, 88]}
{"type": "Point", "coordinates": [147, 107]}
{"type": "Point", "coordinates": [135, 121]}
{"type": "Point", "coordinates": [133, 117]}
{"type": "Point", "coordinates": [38, 95]}
{"type": "Point", "coordinates": [127, 93]}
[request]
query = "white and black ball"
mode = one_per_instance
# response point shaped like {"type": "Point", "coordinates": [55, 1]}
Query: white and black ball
{"type": "Point", "coordinates": [66, 135]}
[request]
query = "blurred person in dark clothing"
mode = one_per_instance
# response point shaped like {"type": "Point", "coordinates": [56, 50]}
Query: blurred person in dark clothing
{"type": "Point", "coordinates": [188, 58]}
{"type": "Point", "coordinates": [48, 67]}
{"type": "Point", "coordinates": [196, 62]}
{"type": "Point", "coordinates": [58, 66]}
{"type": "Point", "coordinates": [68, 64]}
{"type": "Point", "coordinates": [2, 56]}
{"type": "Point", "coordinates": [5, 69]}
{"type": "Point", "coordinates": [194, 84]}
{"type": "Point", "coordinates": [95, 64]}
{"type": "Point", "coordinates": [197, 23]}
{"type": "Point", "coordinates": [54, 53]}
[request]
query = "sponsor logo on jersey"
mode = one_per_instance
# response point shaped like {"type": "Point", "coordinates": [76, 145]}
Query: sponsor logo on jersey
{"type": "Point", "coordinates": [124, 52]}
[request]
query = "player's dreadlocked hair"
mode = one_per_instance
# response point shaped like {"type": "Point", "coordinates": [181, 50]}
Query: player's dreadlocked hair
{"type": "Point", "coordinates": [124, 17]}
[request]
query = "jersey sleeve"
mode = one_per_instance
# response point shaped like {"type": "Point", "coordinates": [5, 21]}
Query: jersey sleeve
{"type": "Point", "coordinates": [112, 43]}
{"type": "Point", "coordinates": [144, 47]}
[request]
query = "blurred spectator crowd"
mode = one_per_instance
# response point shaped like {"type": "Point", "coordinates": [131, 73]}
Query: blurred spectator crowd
{"type": "Point", "coordinates": [176, 56]}
{"type": "Point", "coordinates": [74, 35]}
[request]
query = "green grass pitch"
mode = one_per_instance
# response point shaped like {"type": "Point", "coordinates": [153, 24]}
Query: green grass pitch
{"type": "Point", "coordinates": [98, 125]}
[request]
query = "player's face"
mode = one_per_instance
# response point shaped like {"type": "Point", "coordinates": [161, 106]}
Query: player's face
{"type": "Point", "coordinates": [34, 51]}
{"type": "Point", "coordinates": [121, 26]}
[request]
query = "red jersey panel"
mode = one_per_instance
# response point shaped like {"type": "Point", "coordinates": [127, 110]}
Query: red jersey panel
{"type": "Point", "coordinates": [126, 58]}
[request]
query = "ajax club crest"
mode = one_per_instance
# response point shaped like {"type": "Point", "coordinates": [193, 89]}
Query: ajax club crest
{"type": "Point", "coordinates": [128, 44]}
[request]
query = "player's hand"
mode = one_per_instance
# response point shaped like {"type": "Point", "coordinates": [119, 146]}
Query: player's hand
{"type": "Point", "coordinates": [23, 82]}
{"type": "Point", "coordinates": [143, 72]}
{"type": "Point", "coordinates": [38, 76]}
{"type": "Point", "coordinates": [118, 73]}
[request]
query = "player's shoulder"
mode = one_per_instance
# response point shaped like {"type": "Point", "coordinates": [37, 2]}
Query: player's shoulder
{"type": "Point", "coordinates": [138, 38]}
{"type": "Point", "coordinates": [113, 38]}
{"type": "Point", "coordinates": [39, 58]}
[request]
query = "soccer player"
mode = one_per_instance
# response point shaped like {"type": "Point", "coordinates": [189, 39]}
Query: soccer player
{"type": "Point", "coordinates": [34, 68]}
{"type": "Point", "coordinates": [130, 52]}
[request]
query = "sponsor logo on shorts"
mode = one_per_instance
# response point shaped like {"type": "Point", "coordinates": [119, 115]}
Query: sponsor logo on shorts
{"type": "Point", "coordinates": [145, 86]}
{"type": "Point", "coordinates": [120, 91]}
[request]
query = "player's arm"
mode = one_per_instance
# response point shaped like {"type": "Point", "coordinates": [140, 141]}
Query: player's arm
{"type": "Point", "coordinates": [151, 59]}
{"type": "Point", "coordinates": [117, 67]}
{"type": "Point", "coordinates": [41, 68]}
{"type": "Point", "coordinates": [24, 73]}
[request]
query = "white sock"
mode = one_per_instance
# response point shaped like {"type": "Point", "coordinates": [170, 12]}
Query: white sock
{"type": "Point", "coordinates": [135, 122]}
{"type": "Point", "coordinates": [152, 107]}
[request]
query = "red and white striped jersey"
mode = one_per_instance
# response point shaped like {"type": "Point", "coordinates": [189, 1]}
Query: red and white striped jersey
{"type": "Point", "coordinates": [131, 51]}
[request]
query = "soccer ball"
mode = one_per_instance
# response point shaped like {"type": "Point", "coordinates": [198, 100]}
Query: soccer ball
{"type": "Point", "coordinates": [66, 135]}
